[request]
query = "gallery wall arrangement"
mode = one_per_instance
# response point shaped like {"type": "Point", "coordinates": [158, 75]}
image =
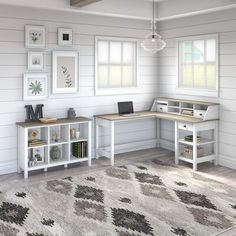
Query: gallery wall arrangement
{"type": "Point", "coordinates": [65, 65]}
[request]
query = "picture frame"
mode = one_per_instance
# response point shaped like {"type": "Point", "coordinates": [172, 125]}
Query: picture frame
{"type": "Point", "coordinates": [65, 37]}
{"type": "Point", "coordinates": [38, 154]}
{"type": "Point", "coordinates": [35, 36]}
{"type": "Point", "coordinates": [35, 60]}
{"type": "Point", "coordinates": [35, 86]}
{"type": "Point", "coordinates": [65, 71]}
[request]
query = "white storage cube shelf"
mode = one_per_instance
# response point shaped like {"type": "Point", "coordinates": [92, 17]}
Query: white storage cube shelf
{"type": "Point", "coordinates": [56, 147]}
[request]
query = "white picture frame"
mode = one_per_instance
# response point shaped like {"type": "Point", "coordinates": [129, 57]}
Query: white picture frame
{"type": "Point", "coordinates": [35, 60]}
{"type": "Point", "coordinates": [35, 36]}
{"type": "Point", "coordinates": [38, 153]}
{"type": "Point", "coordinates": [65, 37]}
{"type": "Point", "coordinates": [65, 72]}
{"type": "Point", "coordinates": [35, 86]}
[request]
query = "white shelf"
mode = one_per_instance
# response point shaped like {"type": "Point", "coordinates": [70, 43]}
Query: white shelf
{"type": "Point", "coordinates": [75, 159]}
{"type": "Point", "coordinates": [38, 166]}
{"type": "Point", "coordinates": [199, 159]}
{"type": "Point", "coordinates": [200, 143]}
{"type": "Point", "coordinates": [60, 142]}
{"type": "Point", "coordinates": [38, 146]}
{"type": "Point", "coordinates": [78, 140]}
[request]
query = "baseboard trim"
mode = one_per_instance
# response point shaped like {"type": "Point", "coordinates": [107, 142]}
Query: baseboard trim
{"type": "Point", "coordinates": [226, 162]}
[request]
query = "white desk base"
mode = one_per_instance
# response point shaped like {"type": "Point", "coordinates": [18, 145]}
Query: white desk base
{"type": "Point", "coordinates": [194, 127]}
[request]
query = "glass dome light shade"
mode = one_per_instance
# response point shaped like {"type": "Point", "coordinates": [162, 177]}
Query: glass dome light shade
{"type": "Point", "coordinates": [153, 43]}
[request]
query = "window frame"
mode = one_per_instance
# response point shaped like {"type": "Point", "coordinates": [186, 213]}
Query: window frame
{"type": "Point", "coordinates": [196, 91]}
{"type": "Point", "coordinates": [119, 90]}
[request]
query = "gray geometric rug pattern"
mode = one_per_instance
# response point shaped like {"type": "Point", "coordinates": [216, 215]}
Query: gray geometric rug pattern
{"type": "Point", "coordinates": [149, 198]}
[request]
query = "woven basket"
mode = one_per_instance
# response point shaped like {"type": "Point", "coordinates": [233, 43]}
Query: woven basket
{"type": "Point", "coordinates": [188, 152]}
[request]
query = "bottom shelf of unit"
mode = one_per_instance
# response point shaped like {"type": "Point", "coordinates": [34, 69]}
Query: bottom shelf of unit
{"type": "Point", "coordinates": [199, 159]}
{"type": "Point", "coordinates": [75, 159]}
{"type": "Point", "coordinates": [58, 163]}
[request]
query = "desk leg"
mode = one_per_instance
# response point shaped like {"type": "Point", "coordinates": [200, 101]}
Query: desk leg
{"type": "Point", "coordinates": [194, 148]}
{"type": "Point", "coordinates": [216, 147]}
{"type": "Point", "coordinates": [96, 139]}
{"type": "Point", "coordinates": [176, 143]}
{"type": "Point", "coordinates": [112, 149]}
{"type": "Point", "coordinates": [158, 133]}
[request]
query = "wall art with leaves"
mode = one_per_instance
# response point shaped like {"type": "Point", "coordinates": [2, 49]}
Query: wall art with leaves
{"type": "Point", "coordinates": [35, 86]}
{"type": "Point", "coordinates": [65, 72]}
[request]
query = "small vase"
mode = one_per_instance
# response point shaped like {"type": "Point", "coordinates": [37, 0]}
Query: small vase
{"type": "Point", "coordinates": [71, 113]}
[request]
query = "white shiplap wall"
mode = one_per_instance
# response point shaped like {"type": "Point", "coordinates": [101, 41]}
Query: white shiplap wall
{"type": "Point", "coordinates": [223, 23]}
{"type": "Point", "coordinates": [13, 63]}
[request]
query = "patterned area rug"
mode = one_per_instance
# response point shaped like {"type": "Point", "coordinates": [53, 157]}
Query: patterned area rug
{"type": "Point", "coordinates": [149, 198]}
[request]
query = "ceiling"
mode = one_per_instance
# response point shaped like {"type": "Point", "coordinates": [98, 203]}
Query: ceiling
{"type": "Point", "coordinates": [165, 9]}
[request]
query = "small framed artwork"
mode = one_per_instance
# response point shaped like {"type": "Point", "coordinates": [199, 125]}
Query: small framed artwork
{"type": "Point", "coordinates": [38, 155]}
{"type": "Point", "coordinates": [35, 86]}
{"type": "Point", "coordinates": [35, 36]}
{"type": "Point", "coordinates": [65, 72]}
{"type": "Point", "coordinates": [35, 61]}
{"type": "Point", "coordinates": [65, 37]}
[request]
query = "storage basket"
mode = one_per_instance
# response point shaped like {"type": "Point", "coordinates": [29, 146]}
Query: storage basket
{"type": "Point", "coordinates": [188, 152]}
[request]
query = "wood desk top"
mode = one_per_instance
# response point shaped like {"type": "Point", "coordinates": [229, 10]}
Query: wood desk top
{"type": "Point", "coordinates": [147, 114]}
{"type": "Point", "coordinates": [59, 122]}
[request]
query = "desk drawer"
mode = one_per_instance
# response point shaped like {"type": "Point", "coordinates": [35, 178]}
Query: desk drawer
{"type": "Point", "coordinates": [185, 126]}
{"type": "Point", "coordinates": [199, 114]}
{"type": "Point", "coordinates": [162, 108]}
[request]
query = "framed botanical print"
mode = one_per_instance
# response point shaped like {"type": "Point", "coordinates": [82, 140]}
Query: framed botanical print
{"type": "Point", "coordinates": [35, 36]}
{"type": "Point", "coordinates": [35, 61]}
{"type": "Point", "coordinates": [35, 86]}
{"type": "Point", "coordinates": [65, 72]}
{"type": "Point", "coordinates": [65, 37]}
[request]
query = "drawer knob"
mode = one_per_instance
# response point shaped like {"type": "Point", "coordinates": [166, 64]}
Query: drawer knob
{"type": "Point", "coordinates": [185, 126]}
{"type": "Point", "coordinates": [161, 108]}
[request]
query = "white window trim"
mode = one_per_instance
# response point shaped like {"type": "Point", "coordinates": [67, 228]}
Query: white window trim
{"type": "Point", "coordinates": [116, 91]}
{"type": "Point", "coordinates": [194, 91]}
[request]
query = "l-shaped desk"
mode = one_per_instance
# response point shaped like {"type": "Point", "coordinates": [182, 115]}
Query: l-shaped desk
{"type": "Point", "coordinates": [182, 122]}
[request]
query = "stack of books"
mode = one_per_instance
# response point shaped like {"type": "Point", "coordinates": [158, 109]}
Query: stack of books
{"type": "Point", "coordinates": [187, 112]}
{"type": "Point", "coordinates": [189, 138]}
{"type": "Point", "coordinates": [36, 142]}
{"type": "Point", "coordinates": [79, 149]}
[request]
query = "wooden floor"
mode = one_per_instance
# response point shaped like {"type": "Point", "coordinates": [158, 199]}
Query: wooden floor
{"type": "Point", "coordinates": [223, 174]}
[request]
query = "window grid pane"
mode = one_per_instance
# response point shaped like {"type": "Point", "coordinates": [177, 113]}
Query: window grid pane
{"type": "Point", "coordinates": [117, 67]}
{"type": "Point", "coordinates": [198, 64]}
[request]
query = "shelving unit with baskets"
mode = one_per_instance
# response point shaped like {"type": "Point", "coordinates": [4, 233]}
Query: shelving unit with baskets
{"type": "Point", "coordinates": [199, 149]}
{"type": "Point", "coordinates": [42, 146]}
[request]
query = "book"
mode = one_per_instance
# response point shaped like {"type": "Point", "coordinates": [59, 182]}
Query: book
{"type": "Point", "coordinates": [79, 149]}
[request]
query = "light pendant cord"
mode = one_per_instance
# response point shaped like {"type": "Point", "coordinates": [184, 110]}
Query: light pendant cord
{"type": "Point", "coordinates": [153, 24]}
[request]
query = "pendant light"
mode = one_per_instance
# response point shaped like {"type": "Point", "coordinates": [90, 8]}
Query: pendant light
{"type": "Point", "coordinates": [153, 41]}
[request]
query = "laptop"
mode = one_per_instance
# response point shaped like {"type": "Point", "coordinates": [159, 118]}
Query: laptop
{"type": "Point", "coordinates": [126, 109]}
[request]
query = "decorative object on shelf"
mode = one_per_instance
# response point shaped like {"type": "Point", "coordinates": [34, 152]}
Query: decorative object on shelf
{"type": "Point", "coordinates": [47, 120]}
{"type": "Point", "coordinates": [56, 135]}
{"type": "Point", "coordinates": [38, 154]}
{"type": "Point", "coordinates": [189, 138]}
{"type": "Point", "coordinates": [35, 36]}
{"type": "Point", "coordinates": [65, 72]}
{"type": "Point", "coordinates": [73, 133]}
{"type": "Point", "coordinates": [35, 61]}
{"type": "Point", "coordinates": [55, 153]}
{"type": "Point", "coordinates": [33, 134]}
{"type": "Point", "coordinates": [65, 37]}
{"type": "Point", "coordinates": [71, 113]}
{"type": "Point", "coordinates": [32, 161]}
{"type": "Point", "coordinates": [153, 41]}
{"type": "Point", "coordinates": [188, 152]}
{"type": "Point", "coordinates": [35, 86]}
{"type": "Point", "coordinates": [77, 134]}
{"type": "Point", "coordinates": [32, 115]}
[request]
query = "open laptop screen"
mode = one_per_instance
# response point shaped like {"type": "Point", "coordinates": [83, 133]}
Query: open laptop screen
{"type": "Point", "coordinates": [125, 108]}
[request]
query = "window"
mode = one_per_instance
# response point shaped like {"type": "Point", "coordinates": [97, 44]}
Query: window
{"type": "Point", "coordinates": [116, 65]}
{"type": "Point", "coordinates": [198, 65]}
